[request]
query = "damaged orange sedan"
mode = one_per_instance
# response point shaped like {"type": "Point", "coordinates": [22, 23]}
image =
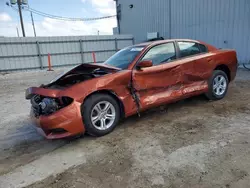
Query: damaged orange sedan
{"type": "Point", "coordinates": [93, 98]}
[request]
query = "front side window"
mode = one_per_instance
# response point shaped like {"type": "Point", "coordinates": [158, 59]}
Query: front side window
{"type": "Point", "coordinates": [188, 49]}
{"type": "Point", "coordinates": [162, 53]}
{"type": "Point", "coordinates": [124, 57]}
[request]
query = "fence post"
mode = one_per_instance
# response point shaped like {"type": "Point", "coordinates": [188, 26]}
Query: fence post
{"type": "Point", "coordinates": [81, 51]}
{"type": "Point", "coordinates": [116, 45]}
{"type": "Point", "coordinates": [49, 63]}
{"type": "Point", "coordinates": [94, 58]}
{"type": "Point", "coordinates": [133, 40]}
{"type": "Point", "coordinates": [39, 55]}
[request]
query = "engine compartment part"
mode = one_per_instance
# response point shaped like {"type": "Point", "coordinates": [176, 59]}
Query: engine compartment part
{"type": "Point", "coordinates": [78, 74]}
{"type": "Point", "coordinates": [70, 80]}
{"type": "Point", "coordinates": [46, 106]}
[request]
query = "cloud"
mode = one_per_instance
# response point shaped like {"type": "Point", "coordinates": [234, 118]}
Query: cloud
{"type": "Point", "coordinates": [103, 3]}
{"type": "Point", "coordinates": [107, 11]}
{"type": "Point", "coordinates": [99, 3]}
{"type": "Point", "coordinates": [104, 7]}
{"type": "Point", "coordinates": [4, 17]}
{"type": "Point", "coordinates": [57, 27]}
{"type": "Point", "coordinates": [52, 27]}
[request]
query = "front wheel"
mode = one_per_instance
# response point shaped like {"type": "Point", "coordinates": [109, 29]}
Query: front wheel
{"type": "Point", "coordinates": [101, 114]}
{"type": "Point", "coordinates": [217, 85]}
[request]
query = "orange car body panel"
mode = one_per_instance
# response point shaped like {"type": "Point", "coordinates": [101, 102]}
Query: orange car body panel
{"type": "Point", "coordinates": [181, 78]}
{"type": "Point", "coordinates": [153, 86]}
{"type": "Point", "coordinates": [68, 118]}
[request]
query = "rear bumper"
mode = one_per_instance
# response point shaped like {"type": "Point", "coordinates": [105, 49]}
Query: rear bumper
{"type": "Point", "coordinates": [68, 119]}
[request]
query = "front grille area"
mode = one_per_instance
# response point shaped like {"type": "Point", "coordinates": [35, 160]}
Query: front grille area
{"type": "Point", "coordinates": [45, 105]}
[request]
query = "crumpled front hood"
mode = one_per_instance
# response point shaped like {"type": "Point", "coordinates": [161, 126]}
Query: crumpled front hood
{"type": "Point", "coordinates": [30, 92]}
{"type": "Point", "coordinates": [74, 76]}
{"type": "Point", "coordinates": [86, 66]}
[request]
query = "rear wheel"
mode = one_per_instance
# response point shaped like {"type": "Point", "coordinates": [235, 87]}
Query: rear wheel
{"type": "Point", "coordinates": [101, 114]}
{"type": "Point", "coordinates": [217, 85]}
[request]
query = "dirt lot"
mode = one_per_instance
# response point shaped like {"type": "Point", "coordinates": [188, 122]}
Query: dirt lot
{"type": "Point", "coordinates": [192, 143]}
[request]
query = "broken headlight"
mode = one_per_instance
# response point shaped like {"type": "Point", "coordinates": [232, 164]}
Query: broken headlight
{"type": "Point", "coordinates": [48, 106]}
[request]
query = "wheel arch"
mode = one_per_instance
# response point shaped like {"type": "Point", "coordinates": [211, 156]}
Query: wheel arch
{"type": "Point", "coordinates": [111, 93]}
{"type": "Point", "coordinates": [225, 69]}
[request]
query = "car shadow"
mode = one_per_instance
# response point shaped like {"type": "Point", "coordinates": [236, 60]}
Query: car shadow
{"type": "Point", "coordinates": [28, 135]}
{"type": "Point", "coordinates": [163, 109]}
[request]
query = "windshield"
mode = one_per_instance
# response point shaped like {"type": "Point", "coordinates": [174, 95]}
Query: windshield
{"type": "Point", "coordinates": [124, 57]}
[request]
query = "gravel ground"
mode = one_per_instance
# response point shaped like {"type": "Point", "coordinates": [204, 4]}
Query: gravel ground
{"type": "Point", "coordinates": [191, 143]}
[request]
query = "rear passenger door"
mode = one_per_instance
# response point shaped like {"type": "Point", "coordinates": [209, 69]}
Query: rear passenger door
{"type": "Point", "coordinates": [204, 63]}
{"type": "Point", "coordinates": [191, 56]}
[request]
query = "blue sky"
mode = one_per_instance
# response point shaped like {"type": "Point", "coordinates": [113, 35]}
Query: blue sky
{"type": "Point", "coordinates": [9, 18]}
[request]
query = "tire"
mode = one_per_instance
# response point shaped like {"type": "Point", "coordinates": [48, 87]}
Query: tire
{"type": "Point", "coordinates": [217, 92]}
{"type": "Point", "coordinates": [94, 113]}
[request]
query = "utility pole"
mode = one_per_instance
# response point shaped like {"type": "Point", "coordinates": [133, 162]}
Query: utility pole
{"type": "Point", "coordinates": [19, 3]}
{"type": "Point", "coordinates": [118, 15]}
{"type": "Point", "coordinates": [33, 24]}
{"type": "Point", "coordinates": [17, 31]}
{"type": "Point", "coordinates": [21, 16]}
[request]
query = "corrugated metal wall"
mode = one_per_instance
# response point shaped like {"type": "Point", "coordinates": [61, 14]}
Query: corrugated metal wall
{"type": "Point", "coordinates": [222, 23]}
{"type": "Point", "coordinates": [29, 53]}
{"type": "Point", "coordinates": [145, 16]}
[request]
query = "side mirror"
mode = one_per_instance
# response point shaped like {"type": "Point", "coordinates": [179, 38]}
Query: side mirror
{"type": "Point", "coordinates": [144, 64]}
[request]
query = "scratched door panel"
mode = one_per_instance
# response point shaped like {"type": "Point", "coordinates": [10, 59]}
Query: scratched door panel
{"type": "Point", "coordinates": [158, 84]}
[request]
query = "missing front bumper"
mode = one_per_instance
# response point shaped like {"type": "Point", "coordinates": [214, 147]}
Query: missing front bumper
{"type": "Point", "coordinates": [68, 119]}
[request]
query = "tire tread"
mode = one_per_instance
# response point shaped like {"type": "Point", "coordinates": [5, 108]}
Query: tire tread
{"type": "Point", "coordinates": [210, 94]}
{"type": "Point", "coordinates": [86, 110]}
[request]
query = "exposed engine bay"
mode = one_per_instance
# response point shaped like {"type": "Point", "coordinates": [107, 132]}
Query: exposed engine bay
{"type": "Point", "coordinates": [46, 105]}
{"type": "Point", "coordinates": [78, 74]}
{"type": "Point", "coordinates": [43, 105]}
{"type": "Point", "coordinates": [76, 77]}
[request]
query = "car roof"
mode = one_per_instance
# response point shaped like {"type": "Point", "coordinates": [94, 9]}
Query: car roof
{"type": "Point", "coordinates": [164, 41]}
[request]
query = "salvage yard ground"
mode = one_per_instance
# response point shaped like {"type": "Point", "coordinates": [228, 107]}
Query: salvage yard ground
{"type": "Point", "coordinates": [192, 143]}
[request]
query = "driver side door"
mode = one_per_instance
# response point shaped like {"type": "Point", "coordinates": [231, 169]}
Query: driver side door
{"type": "Point", "coordinates": [161, 82]}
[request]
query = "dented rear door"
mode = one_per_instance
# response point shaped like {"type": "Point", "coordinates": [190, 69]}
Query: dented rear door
{"type": "Point", "coordinates": [195, 67]}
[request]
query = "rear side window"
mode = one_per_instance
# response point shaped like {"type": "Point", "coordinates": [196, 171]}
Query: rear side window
{"type": "Point", "coordinates": [203, 48]}
{"type": "Point", "coordinates": [191, 48]}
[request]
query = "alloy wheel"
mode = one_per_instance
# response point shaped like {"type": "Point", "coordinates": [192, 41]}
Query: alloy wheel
{"type": "Point", "coordinates": [219, 85]}
{"type": "Point", "coordinates": [103, 115]}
